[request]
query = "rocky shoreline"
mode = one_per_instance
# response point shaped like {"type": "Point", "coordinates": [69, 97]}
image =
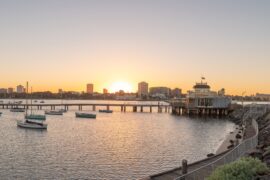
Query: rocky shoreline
{"type": "Point", "coordinates": [261, 113]}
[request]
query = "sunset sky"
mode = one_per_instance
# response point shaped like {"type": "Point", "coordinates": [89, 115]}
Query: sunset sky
{"type": "Point", "coordinates": [69, 43]}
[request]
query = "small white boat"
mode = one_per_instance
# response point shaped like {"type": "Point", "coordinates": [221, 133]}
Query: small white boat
{"type": "Point", "coordinates": [31, 125]}
{"type": "Point", "coordinates": [54, 112]}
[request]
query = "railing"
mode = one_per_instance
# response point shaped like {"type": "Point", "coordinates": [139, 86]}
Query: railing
{"type": "Point", "coordinates": [234, 154]}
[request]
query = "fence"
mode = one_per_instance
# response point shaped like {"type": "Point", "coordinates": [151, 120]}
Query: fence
{"type": "Point", "coordinates": [234, 154]}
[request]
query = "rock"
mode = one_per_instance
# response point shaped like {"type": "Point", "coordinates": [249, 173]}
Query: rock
{"type": "Point", "coordinates": [238, 136]}
{"type": "Point", "coordinates": [232, 141]}
{"type": "Point", "coordinates": [230, 146]}
{"type": "Point", "coordinates": [210, 155]}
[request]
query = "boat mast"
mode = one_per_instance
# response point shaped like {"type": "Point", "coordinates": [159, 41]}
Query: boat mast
{"type": "Point", "coordinates": [26, 98]}
{"type": "Point", "coordinates": [31, 101]}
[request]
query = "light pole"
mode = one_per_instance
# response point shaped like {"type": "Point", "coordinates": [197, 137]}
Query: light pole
{"type": "Point", "coordinates": [243, 93]}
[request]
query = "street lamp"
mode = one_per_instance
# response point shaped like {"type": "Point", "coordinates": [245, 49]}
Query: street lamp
{"type": "Point", "coordinates": [243, 93]}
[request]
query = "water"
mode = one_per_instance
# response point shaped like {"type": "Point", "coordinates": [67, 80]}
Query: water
{"type": "Point", "coordinates": [113, 146]}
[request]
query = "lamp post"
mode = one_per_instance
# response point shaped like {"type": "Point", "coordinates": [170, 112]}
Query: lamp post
{"type": "Point", "coordinates": [243, 93]}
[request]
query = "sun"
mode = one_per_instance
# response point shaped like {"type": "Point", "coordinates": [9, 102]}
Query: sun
{"type": "Point", "coordinates": [120, 85]}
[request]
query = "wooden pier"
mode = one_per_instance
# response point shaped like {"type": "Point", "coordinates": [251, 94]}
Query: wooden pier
{"type": "Point", "coordinates": [179, 108]}
{"type": "Point", "coordinates": [123, 107]}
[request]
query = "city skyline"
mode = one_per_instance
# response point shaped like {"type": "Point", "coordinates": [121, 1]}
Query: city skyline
{"type": "Point", "coordinates": [165, 43]}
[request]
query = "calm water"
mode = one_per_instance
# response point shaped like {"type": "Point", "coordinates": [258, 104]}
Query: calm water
{"type": "Point", "coordinates": [113, 146]}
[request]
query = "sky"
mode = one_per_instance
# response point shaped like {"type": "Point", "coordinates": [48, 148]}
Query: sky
{"type": "Point", "coordinates": [68, 43]}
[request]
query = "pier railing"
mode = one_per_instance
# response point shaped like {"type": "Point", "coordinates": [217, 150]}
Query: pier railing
{"type": "Point", "coordinates": [236, 153]}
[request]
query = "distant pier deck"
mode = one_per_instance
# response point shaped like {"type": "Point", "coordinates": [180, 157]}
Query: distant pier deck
{"type": "Point", "coordinates": [122, 106]}
{"type": "Point", "coordinates": [176, 108]}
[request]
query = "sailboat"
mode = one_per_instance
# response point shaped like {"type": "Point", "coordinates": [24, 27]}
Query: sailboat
{"type": "Point", "coordinates": [34, 116]}
{"type": "Point", "coordinates": [62, 110]}
{"type": "Point", "coordinates": [31, 123]}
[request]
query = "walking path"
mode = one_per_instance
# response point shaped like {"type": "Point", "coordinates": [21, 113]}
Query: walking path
{"type": "Point", "coordinates": [174, 173]}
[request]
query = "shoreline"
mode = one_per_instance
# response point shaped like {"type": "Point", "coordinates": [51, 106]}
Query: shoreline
{"type": "Point", "coordinates": [227, 140]}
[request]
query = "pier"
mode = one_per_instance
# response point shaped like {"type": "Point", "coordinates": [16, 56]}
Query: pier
{"type": "Point", "coordinates": [166, 108]}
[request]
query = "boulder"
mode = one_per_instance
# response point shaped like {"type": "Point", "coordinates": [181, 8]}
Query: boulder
{"type": "Point", "coordinates": [210, 155]}
{"type": "Point", "coordinates": [238, 136]}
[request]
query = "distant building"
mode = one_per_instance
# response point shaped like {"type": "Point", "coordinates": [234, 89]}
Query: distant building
{"type": "Point", "coordinates": [176, 92]}
{"type": "Point", "coordinates": [160, 92]}
{"type": "Point", "coordinates": [143, 89]}
{"type": "Point", "coordinates": [202, 96]}
{"type": "Point", "coordinates": [120, 93]}
{"type": "Point", "coordinates": [90, 88]}
{"type": "Point", "coordinates": [105, 91]}
{"type": "Point", "coordinates": [3, 90]}
{"type": "Point", "coordinates": [10, 90]}
{"type": "Point", "coordinates": [221, 92]}
{"type": "Point", "coordinates": [263, 97]}
{"type": "Point", "coordinates": [60, 91]}
{"type": "Point", "coordinates": [20, 89]}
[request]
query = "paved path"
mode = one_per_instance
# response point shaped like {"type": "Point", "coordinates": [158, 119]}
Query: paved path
{"type": "Point", "coordinates": [174, 173]}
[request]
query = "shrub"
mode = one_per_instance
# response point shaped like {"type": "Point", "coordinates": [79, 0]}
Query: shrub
{"type": "Point", "coordinates": [243, 169]}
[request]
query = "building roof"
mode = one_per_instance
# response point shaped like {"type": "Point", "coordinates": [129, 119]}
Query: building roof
{"type": "Point", "coordinates": [201, 86]}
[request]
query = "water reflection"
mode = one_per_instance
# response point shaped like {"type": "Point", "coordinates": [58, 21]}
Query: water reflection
{"type": "Point", "coordinates": [114, 146]}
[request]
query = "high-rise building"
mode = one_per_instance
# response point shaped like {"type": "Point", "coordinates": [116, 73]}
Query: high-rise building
{"type": "Point", "coordinates": [3, 90]}
{"type": "Point", "coordinates": [105, 91]}
{"type": "Point", "coordinates": [142, 89]}
{"type": "Point", "coordinates": [20, 89]}
{"type": "Point", "coordinates": [10, 90]}
{"type": "Point", "coordinates": [90, 88]}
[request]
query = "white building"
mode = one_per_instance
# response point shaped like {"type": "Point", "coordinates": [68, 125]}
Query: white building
{"type": "Point", "coordinates": [20, 89]}
{"type": "Point", "coordinates": [203, 97]}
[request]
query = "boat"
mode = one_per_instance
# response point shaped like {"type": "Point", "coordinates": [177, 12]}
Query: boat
{"type": "Point", "coordinates": [1, 113]}
{"type": "Point", "coordinates": [54, 112]}
{"type": "Point", "coordinates": [85, 115]}
{"type": "Point", "coordinates": [42, 102]}
{"type": "Point", "coordinates": [105, 111]}
{"type": "Point", "coordinates": [36, 117]}
{"type": "Point", "coordinates": [31, 124]}
{"type": "Point", "coordinates": [63, 110]}
{"type": "Point", "coordinates": [17, 110]}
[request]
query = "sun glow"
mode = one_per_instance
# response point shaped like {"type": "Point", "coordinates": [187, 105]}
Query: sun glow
{"type": "Point", "coordinates": [117, 86]}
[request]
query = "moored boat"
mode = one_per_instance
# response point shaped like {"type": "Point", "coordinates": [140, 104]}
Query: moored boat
{"type": "Point", "coordinates": [31, 124]}
{"type": "Point", "coordinates": [63, 110]}
{"type": "Point", "coordinates": [17, 110]}
{"type": "Point", "coordinates": [85, 115]}
{"type": "Point", "coordinates": [54, 112]}
{"type": "Point", "coordinates": [35, 117]}
{"type": "Point", "coordinates": [105, 111]}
